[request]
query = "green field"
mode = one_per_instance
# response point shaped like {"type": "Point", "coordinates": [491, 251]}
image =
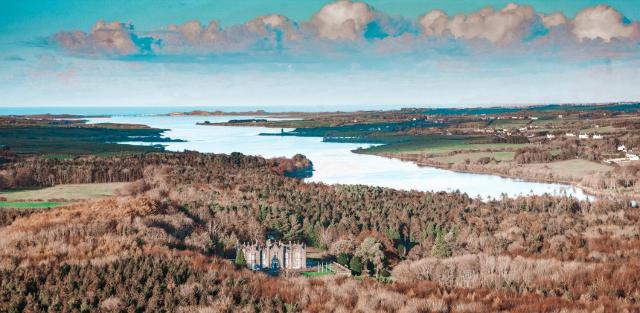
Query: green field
{"type": "Point", "coordinates": [572, 168]}
{"type": "Point", "coordinates": [440, 145]}
{"type": "Point", "coordinates": [602, 130]}
{"type": "Point", "coordinates": [30, 205]}
{"type": "Point", "coordinates": [63, 192]}
{"type": "Point", "coordinates": [509, 123]}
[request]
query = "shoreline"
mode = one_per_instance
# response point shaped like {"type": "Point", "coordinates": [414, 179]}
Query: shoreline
{"type": "Point", "coordinates": [590, 191]}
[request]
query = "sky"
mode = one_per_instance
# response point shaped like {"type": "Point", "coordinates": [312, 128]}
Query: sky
{"type": "Point", "coordinates": [318, 53]}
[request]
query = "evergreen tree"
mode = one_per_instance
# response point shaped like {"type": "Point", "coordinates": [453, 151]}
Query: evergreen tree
{"type": "Point", "coordinates": [294, 231]}
{"type": "Point", "coordinates": [440, 248]}
{"type": "Point", "coordinates": [356, 265]}
{"type": "Point", "coordinates": [343, 259]}
{"type": "Point", "coordinates": [240, 260]}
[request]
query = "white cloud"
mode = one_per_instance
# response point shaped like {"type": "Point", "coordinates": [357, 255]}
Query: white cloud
{"type": "Point", "coordinates": [508, 25]}
{"type": "Point", "coordinates": [111, 38]}
{"type": "Point", "coordinates": [263, 25]}
{"type": "Point", "coordinates": [434, 23]}
{"type": "Point", "coordinates": [341, 27]}
{"type": "Point", "coordinates": [342, 19]}
{"type": "Point", "coordinates": [603, 22]}
{"type": "Point", "coordinates": [553, 20]}
{"type": "Point", "coordinates": [193, 32]}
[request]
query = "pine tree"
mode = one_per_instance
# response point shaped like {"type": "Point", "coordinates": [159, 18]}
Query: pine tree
{"type": "Point", "coordinates": [343, 259]}
{"type": "Point", "coordinates": [440, 248]}
{"type": "Point", "coordinates": [356, 265]}
{"type": "Point", "coordinates": [294, 231]}
{"type": "Point", "coordinates": [240, 260]}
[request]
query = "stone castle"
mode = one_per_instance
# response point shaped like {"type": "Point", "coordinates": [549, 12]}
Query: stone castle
{"type": "Point", "coordinates": [274, 256]}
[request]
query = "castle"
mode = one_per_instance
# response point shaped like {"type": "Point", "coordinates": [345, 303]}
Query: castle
{"type": "Point", "coordinates": [274, 256]}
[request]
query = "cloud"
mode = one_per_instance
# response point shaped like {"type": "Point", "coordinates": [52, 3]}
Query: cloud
{"type": "Point", "coordinates": [435, 23]}
{"type": "Point", "coordinates": [113, 38]}
{"type": "Point", "coordinates": [193, 33]}
{"type": "Point", "coordinates": [603, 22]}
{"type": "Point", "coordinates": [342, 20]}
{"type": "Point", "coordinates": [553, 20]}
{"type": "Point", "coordinates": [346, 27]}
{"type": "Point", "coordinates": [264, 25]}
{"type": "Point", "coordinates": [509, 25]}
{"type": "Point", "coordinates": [515, 23]}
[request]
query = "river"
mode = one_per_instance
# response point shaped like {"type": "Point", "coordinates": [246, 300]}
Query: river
{"type": "Point", "coordinates": [334, 163]}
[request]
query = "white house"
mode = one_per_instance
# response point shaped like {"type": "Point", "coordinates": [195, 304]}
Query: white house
{"type": "Point", "coordinates": [583, 136]}
{"type": "Point", "coordinates": [570, 134]}
{"type": "Point", "coordinates": [632, 156]}
{"type": "Point", "coordinates": [551, 136]}
{"type": "Point", "coordinates": [597, 137]}
{"type": "Point", "coordinates": [622, 148]}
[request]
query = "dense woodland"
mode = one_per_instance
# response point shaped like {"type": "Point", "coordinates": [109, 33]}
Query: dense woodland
{"type": "Point", "coordinates": [444, 252]}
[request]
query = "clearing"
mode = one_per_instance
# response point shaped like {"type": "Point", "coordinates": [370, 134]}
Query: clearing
{"type": "Point", "coordinates": [474, 156]}
{"type": "Point", "coordinates": [63, 193]}
{"type": "Point", "coordinates": [572, 168]}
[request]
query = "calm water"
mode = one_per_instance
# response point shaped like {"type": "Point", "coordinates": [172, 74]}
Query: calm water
{"type": "Point", "coordinates": [153, 110]}
{"type": "Point", "coordinates": [334, 162]}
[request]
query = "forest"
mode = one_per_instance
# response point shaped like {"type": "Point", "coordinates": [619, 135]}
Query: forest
{"type": "Point", "coordinates": [165, 239]}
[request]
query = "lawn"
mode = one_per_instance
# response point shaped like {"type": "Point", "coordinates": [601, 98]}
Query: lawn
{"type": "Point", "coordinates": [63, 192]}
{"type": "Point", "coordinates": [29, 205]}
{"type": "Point", "coordinates": [317, 274]}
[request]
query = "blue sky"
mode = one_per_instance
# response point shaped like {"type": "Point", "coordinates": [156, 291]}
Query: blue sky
{"type": "Point", "coordinates": [311, 53]}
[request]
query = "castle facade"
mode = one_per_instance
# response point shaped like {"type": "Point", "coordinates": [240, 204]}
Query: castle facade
{"type": "Point", "coordinates": [274, 256]}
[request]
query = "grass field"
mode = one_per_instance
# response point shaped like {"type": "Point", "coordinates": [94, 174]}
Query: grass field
{"type": "Point", "coordinates": [572, 168]}
{"type": "Point", "coordinates": [474, 156]}
{"type": "Point", "coordinates": [63, 192]}
{"type": "Point", "coordinates": [555, 121]}
{"type": "Point", "coordinates": [509, 123]}
{"type": "Point", "coordinates": [29, 205]}
{"type": "Point", "coordinates": [440, 145]}
{"type": "Point", "coordinates": [602, 130]}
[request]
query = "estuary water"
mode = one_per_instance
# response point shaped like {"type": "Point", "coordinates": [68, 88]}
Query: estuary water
{"type": "Point", "coordinates": [334, 163]}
